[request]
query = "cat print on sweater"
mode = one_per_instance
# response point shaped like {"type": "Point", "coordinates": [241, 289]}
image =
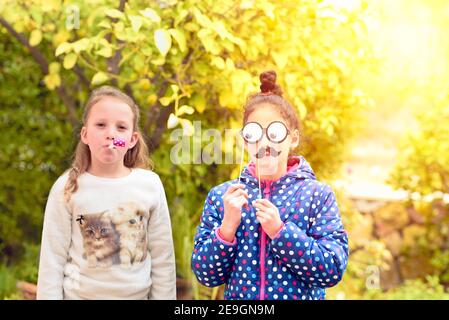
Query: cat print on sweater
{"type": "Point", "coordinates": [131, 224]}
{"type": "Point", "coordinates": [100, 239]}
{"type": "Point", "coordinates": [115, 237]}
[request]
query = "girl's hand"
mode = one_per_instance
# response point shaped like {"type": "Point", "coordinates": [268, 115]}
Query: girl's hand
{"type": "Point", "coordinates": [268, 216]}
{"type": "Point", "coordinates": [233, 199]}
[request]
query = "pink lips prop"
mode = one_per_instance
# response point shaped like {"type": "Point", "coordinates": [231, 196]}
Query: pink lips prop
{"type": "Point", "coordinates": [117, 143]}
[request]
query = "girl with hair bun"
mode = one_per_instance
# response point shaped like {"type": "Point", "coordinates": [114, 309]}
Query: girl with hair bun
{"type": "Point", "coordinates": [276, 232]}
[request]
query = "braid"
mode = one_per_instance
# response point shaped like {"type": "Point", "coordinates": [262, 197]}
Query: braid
{"type": "Point", "coordinates": [72, 183]}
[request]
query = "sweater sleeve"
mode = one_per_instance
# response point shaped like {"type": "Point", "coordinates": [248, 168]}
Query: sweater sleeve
{"type": "Point", "coordinates": [319, 255]}
{"type": "Point", "coordinates": [160, 244]}
{"type": "Point", "coordinates": [212, 257]}
{"type": "Point", "coordinates": [56, 238]}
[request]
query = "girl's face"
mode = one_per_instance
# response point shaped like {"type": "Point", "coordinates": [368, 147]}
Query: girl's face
{"type": "Point", "coordinates": [271, 156]}
{"type": "Point", "coordinates": [109, 119]}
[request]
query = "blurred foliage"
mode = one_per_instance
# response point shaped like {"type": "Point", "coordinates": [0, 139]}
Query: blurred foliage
{"type": "Point", "coordinates": [7, 282]}
{"type": "Point", "coordinates": [424, 164]}
{"type": "Point", "coordinates": [24, 270]}
{"type": "Point", "coordinates": [429, 288]}
{"type": "Point", "coordinates": [392, 258]}
{"type": "Point", "coordinates": [365, 253]}
{"type": "Point", "coordinates": [416, 289]}
{"type": "Point", "coordinates": [423, 170]}
{"type": "Point", "coordinates": [34, 149]}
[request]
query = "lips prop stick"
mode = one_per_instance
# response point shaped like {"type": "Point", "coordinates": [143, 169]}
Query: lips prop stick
{"type": "Point", "coordinates": [117, 143]}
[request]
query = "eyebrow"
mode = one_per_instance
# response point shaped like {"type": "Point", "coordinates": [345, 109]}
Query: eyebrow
{"type": "Point", "coordinates": [118, 121]}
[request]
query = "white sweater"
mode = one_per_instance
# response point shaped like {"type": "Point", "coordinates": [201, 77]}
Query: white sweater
{"type": "Point", "coordinates": [112, 240]}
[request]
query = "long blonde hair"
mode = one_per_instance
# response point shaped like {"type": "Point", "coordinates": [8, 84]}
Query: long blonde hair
{"type": "Point", "coordinates": [136, 157]}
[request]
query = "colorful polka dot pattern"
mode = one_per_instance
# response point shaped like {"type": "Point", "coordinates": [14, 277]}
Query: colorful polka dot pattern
{"type": "Point", "coordinates": [309, 254]}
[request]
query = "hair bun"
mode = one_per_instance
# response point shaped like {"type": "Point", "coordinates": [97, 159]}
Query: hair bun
{"type": "Point", "coordinates": [268, 83]}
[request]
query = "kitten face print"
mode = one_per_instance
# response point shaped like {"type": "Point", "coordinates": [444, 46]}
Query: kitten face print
{"type": "Point", "coordinates": [131, 223]}
{"type": "Point", "coordinates": [100, 239]}
{"type": "Point", "coordinates": [115, 237]}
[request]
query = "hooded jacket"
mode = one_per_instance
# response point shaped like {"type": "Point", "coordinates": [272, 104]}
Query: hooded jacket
{"type": "Point", "coordinates": [309, 253]}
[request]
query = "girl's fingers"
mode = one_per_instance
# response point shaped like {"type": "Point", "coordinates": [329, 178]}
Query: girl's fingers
{"type": "Point", "coordinates": [240, 201]}
{"type": "Point", "coordinates": [234, 187]}
{"type": "Point", "coordinates": [261, 220]}
{"type": "Point", "coordinates": [263, 215]}
{"type": "Point", "coordinates": [267, 214]}
{"type": "Point", "coordinates": [264, 202]}
{"type": "Point", "coordinates": [239, 192]}
{"type": "Point", "coordinates": [261, 206]}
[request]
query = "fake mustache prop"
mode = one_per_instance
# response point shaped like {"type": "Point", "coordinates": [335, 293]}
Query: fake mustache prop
{"type": "Point", "coordinates": [268, 151]}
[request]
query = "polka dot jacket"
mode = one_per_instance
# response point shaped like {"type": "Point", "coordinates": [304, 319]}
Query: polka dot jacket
{"type": "Point", "coordinates": [309, 254]}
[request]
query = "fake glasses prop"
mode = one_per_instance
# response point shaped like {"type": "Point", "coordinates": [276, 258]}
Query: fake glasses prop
{"type": "Point", "coordinates": [276, 132]}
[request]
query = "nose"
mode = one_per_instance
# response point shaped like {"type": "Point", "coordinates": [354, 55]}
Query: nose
{"type": "Point", "coordinates": [264, 142]}
{"type": "Point", "coordinates": [110, 133]}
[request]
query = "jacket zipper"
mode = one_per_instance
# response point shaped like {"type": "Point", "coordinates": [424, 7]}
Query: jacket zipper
{"type": "Point", "coordinates": [266, 193]}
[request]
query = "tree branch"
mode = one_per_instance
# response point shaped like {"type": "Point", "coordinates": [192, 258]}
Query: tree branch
{"type": "Point", "coordinates": [154, 110]}
{"type": "Point", "coordinates": [161, 126]}
{"type": "Point", "coordinates": [37, 55]}
{"type": "Point", "coordinates": [81, 76]}
{"type": "Point", "coordinates": [43, 64]}
{"type": "Point", "coordinates": [113, 62]}
{"type": "Point", "coordinates": [129, 92]}
{"type": "Point", "coordinates": [154, 113]}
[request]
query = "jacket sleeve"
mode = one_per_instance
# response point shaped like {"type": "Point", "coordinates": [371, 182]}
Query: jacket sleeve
{"type": "Point", "coordinates": [212, 257]}
{"type": "Point", "coordinates": [55, 244]}
{"type": "Point", "coordinates": [318, 256]}
{"type": "Point", "coordinates": [160, 244]}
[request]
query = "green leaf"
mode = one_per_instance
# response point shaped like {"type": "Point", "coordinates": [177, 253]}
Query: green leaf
{"type": "Point", "coordinates": [35, 37]}
{"type": "Point", "coordinates": [70, 60]}
{"type": "Point", "coordinates": [172, 121]}
{"type": "Point", "coordinates": [230, 64]}
{"type": "Point", "coordinates": [151, 14]}
{"type": "Point", "coordinates": [159, 61]}
{"type": "Point", "coordinates": [105, 24]}
{"type": "Point", "coordinates": [179, 37]}
{"type": "Point", "coordinates": [220, 29]}
{"type": "Point", "coordinates": [51, 5]}
{"type": "Point", "coordinates": [208, 41]}
{"type": "Point", "coordinates": [218, 62]}
{"type": "Point", "coordinates": [301, 108]}
{"type": "Point", "coordinates": [147, 51]}
{"type": "Point", "coordinates": [203, 20]}
{"type": "Point", "coordinates": [80, 45]}
{"type": "Point", "coordinates": [105, 52]}
{"type": "Point", "coordinates": [54, 67]}
{"type": "Point", "coordinates": [165, 101]}
{"type": "Point", "coordinates": [63, 48]}
{"type": "Point", "coordinates": [330, 130]}
{"type": "Point", "coordinates": [162, 40]}
{"type": "Point", "coordinates": [199, 102]}
{"type": "Point", "coordinates": [185, 109]}
{"type": "Point", "coordinates": [52, 81]}
{"type": "Point", "coordinates": [99, 78]}
{"type": "Point", "coordinates": [136, 22]}
{"type": "Point", "coordinates": [281, 59]}
{"type": "Point", "coordinates": [174, 88]}
{"type": "Point", "coordinates": [114, 13]}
